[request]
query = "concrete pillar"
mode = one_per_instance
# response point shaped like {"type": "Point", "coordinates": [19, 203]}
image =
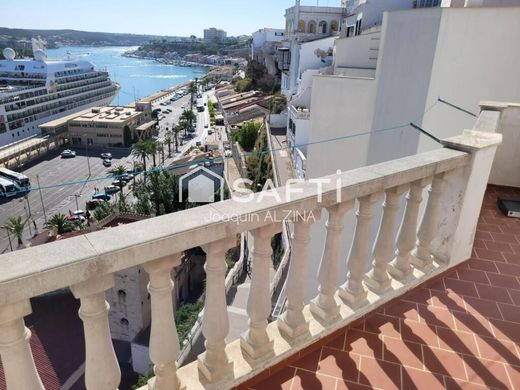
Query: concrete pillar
{"type": "Point", "coordinates": [101, 368]}
{"type": "Point", "coordinates": [15, 352]}
{"type": "Point", "coordinates": [164, 340]}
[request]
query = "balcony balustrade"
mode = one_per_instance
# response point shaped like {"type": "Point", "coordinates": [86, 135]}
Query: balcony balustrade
{"type": "Point", "coordinates": [427, 243]}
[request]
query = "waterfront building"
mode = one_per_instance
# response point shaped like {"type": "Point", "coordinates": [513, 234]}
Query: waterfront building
{"type": "Point", "coordinates": [264, 45]}
{"type": "Point", "coordinates": [34, 91]}
{"type": "Point", "coordinates": [105, 126]}
{"type": "Point", "coordinates": [214, 34]}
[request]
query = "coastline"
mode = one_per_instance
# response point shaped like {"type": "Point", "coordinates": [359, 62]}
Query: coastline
{"type": "Point", "coordinates": [182, 63]}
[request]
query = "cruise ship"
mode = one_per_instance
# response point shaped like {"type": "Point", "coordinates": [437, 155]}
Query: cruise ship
{"type": "Point", "coordinates": [38, 90]}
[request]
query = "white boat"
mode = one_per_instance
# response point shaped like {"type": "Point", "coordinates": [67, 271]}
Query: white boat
{"type": "Point", "coordinates": [38, 90]}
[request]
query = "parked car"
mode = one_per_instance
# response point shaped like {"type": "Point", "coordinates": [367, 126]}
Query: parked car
{"type": "Point", "coordinates": [101, 196]}
{"type": "Point", "coordinates": [112, 189]}
{"type": "Point", "coordinates": [107, 162]}
{"type": "Point", "coordinates": [92, 204]}
{"type": "Point", "coordinates": [119, 183]}
{"type": "Point", "coordinates": [67, 153]}
{"type": "Point", "coordinates": [78, 218]}
{"type": "Point", "coordinates": [228, 153]}
{"type": "Point", "coordinates": [106, 156]}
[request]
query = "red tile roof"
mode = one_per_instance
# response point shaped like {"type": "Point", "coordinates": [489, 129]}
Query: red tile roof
{"type": "Point", "coordinates": [461, 329]}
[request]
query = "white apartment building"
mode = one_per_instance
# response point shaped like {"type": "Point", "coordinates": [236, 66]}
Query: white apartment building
{"type": "Point", "coordinates": [264, 47]}
{"type": "Point", "coordinates": [214, 34]}
{"type": "Point", "coordinates": [387, 79]}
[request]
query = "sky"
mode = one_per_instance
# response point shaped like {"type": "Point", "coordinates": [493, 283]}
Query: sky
{"type": "Point", "coordinates": [155, 17]}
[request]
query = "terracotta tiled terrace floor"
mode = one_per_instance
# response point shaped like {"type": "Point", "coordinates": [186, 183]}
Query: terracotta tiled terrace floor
{"type": "Point", "coordinates": [460, 330]}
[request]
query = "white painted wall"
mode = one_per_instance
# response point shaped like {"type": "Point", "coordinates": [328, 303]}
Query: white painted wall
{"type": "Point", "coordinates": [356, 52]}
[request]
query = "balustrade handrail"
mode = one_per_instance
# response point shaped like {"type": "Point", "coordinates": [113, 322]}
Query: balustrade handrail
{"type": "Point", "coordinates": [38, 270]}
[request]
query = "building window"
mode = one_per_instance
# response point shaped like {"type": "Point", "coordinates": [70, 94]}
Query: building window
{"type": "Point", "coordinates": [311, 27]}
{"type": "Point", "coordinates": [301, 26]}
{"type": "Point", "coordinates": [322, 27]}
{"type": "Point", "coordinates": [334, 26]}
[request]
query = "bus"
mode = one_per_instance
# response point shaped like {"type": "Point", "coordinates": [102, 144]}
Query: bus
{"type": "Point", "coordinates": [200, 105]}
{"type": "Point", "coordinates": [21, 181]}
{"type": "Point", "coordinates": [7, 188]}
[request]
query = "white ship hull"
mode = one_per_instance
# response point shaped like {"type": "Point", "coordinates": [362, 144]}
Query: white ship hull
{"type": "Point", "coordinates": [31, 129]}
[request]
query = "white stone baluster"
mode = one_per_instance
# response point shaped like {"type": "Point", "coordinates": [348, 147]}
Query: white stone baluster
{"type": "Point", "coordinates": [324, 305]}
{"type": "Point", "coordinates": [15, 352]}
{"type": "Point", "coordinates": [353, 292]}
{"type": "Point", "coordinates": [101, 368]}
{"type": "Point", "coordinates": [164, 341]}
{"type": "Point", "coordinates": [292, 322]}
{"type": "Point", "coordinates": [255, 342]}
{"type": "Point", "coordinates": [421, 256]}
{"type": "Point", "coordinates": [377, 278]}
{"type": "Point", "coordinates": [214, 363]}
{"type": "Point", "coordinates": [400, 268]}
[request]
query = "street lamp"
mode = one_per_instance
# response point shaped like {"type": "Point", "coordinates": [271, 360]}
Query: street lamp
{"type": "Point", "coordinates": [86, 152]}
{"type": "Point", "coordinates": [41, 198]}
{"type": "Point", "coordinates": [76, 196]}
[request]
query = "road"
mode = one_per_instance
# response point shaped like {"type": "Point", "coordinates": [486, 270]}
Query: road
{"type": "Point", "coordinates": [62, 179]}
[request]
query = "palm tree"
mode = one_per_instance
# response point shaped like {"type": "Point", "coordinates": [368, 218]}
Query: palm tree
{"type": "Point", "coordinates": [142, 150]}
{"type": "Point", "coordinates": [60, 223]}
{"type": "Point", "coordinates": [168, 140]}
{"type": "Point", "coordinates": [176, 130]}
{"type": "Point", "coordinates": [189, 116]}
{"type": "Point", "coordinates": [192, 89]}
{"type": "Point", "coordinates": [117, 173]}
{"type": "Point", "coordinates": [154, 148]}
{"type": "Point", "coordinates": [16, 226]}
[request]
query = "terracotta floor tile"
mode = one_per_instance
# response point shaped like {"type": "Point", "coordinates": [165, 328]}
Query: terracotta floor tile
{"type": "Point", "coordinates": [484, 227]}
{"type": "Point", "coordinates": [444, 362]}
{"type": "Point", "coordinates": [515, 296]}
{"type": "Point", "coordinates": [305, 380]}
{"type": "Point", "coordinates": [479, 244]}
{"type": "Point", "coordinates": [403, 352]}
{"type": "Point", "coordinates": [489, 255]}
{"type": "Point", "coordinates": [512, 258]}
{"type": "Point", "coordinates": [470, 275]}
{"type": "Point", "coordinates": [486, 372]}
{"type": "Point", "coordinates": [381, 374]}
{"type": "Point", "coordinates": [435, 284]}
{"type": "Point", "coordinates": [435, 316]}
{"type": "Point", "coordinates": [510, 313]}
{"type": "Point", "coordinates": [309, 362]}
{"type": "Point", "coordinates": [508, 269]}
{"type": "Point", "coordinates": [364, 343]}
{"type": "Point", "coordinates": [497, 350]}
{"type": "Point", "coordinates": [456, 384]}
{"type": "Point", "coordinates": [282, 380]}
{"type": "Point", "coordinates": [493, 293]}
{"type": "Point", "coordinates": [501, 280]}
{"type": "Point", "coordinates": [457, 341]}
{"type": "Point", "coordinates": [484, 307]}
{"type": "Point", "coordinates": [514, 375]}
{"type": "Point", "coordinates": [418, 333]}
{"type": "Point", "coordinates": [496, 246]}
{"type": "Point", "coordinates": [448, 301]}
{"type": "Point", "coordinates": [339, 364]}
{"type": "Point", "coordinates": [418, 295]}
{"type": "Point", "coordinates": [461, 287]}
{"type": "Point", "coordinates": [473, 323]}
{"type": "Point", "coordinates": [403, 309]}
{"type": "Point", "coordinates": [418, 379]}
{"type": "Point", "coordinates": [506, 330]}
{"type": "Point", "coordinates": [483, 265]}
{"type": "Point", "coordinates": [337, 342]}
{"type": "Point", "coordinates": [346, 385]}
{"type": "Point", "coordinates": [383, 324]}
{"type": "Point", "coordinates": [483, 236]}
{"type": "Point", "coordinates": [515, 248]}
{"type": "Point", "coordinates": [507, 238]}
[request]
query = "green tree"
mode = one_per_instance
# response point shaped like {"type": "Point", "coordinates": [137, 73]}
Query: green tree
{"type": "Point", "coordinates": [102, 210]}
{"type": "Point", "coordinates": [193, 89]}
{"type": "Point", "coordinates": [142, 151]}
{"type": "Point", "coordinates": [176, 130]}
{"type": "Point", "coordinates": [168, 140]}
{"type": "Point", "coordinates": [247, 135]}
{"type": "Point", "coordinates": [188, 116]}
{"type": "Point", "coordinates": [117, 173]}
{"type": "Point", "coordinates": [60, 223]}
{"type": "Point", "coordinates": [16, 225]}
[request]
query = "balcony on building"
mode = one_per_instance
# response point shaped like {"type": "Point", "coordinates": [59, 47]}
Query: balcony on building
{"type": "Point", "coordinates": [430, 297]}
